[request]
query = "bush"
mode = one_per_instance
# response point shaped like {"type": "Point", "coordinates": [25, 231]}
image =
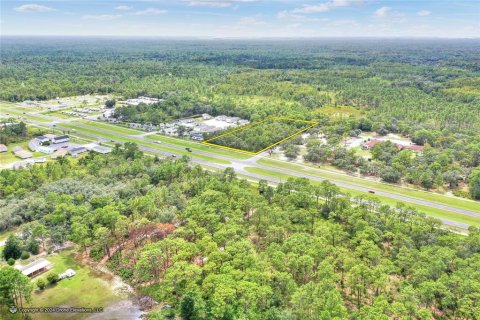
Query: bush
{"type": "Point", "coordinates": [25, 255]}
{"type": "Point", "coordinates": [41, 284]}
{"type": "Point", "coordinates": [11, 261]}
{"type": "Point", "coordinates": [52, 278]}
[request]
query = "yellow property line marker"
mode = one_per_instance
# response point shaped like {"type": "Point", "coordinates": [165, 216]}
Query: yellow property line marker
{"type": "Point", "coordinates": [207, 142]}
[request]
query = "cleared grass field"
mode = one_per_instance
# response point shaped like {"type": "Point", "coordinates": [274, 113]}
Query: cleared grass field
{"type": "Point", "coordinates": [418, 194]}
{"type": "Point", "coordinates": [85, 289]}
{"type": "Point", "coordinates": [115, 137]}
{"type": "Point", "coordinates": [433, 212]}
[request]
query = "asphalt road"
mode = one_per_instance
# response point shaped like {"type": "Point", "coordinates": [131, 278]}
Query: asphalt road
{"type": "Point", "coordinates": [240, 165]}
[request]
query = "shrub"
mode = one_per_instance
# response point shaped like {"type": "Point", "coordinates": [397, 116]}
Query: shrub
{"type": "Point", "coordinates": [52, 278]}
{"type": "Point", "coordinates": [25, 255]}
{"type": "Point", "coordinates": [41, 284]}
{"type": "Point", "coordinates": [11, 261]}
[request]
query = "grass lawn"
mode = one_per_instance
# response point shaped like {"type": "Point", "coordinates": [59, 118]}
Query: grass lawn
{"type": "Point", "coordinates": [8, 157]}
{"type": "Point", "coordinates": [434, 212]}
{"type": "Point", "coordinates": [85, 289]}
{"type": "Point", "coordinates": [197, 146]}
{"type": "Point", "coordinates": [418, 194]}
{"type": "Point", "coordinates": [113, 136]}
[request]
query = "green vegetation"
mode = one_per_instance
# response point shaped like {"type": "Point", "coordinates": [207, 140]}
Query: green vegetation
{"type": "Point", "coordinates": [391, 188]}
{"type": "Point", "coordinates": [259, 136]}
{"type": "Point", "coordinates": [115, 137]}
{"type": "Point", "coordinates": [213, 246]}
{"type": "Point", "coordinates": [111, 127]}
{"type": "Point", "coordinates": [197, 146]}
{"type": "Point", "coordinates": [168, 226]}
{"type": "Point", "coordinates": [421, 89]}
{"type": "Point", "coordinates": [433, 212]}
{"type": "Point", "coordinates": [86, 288]}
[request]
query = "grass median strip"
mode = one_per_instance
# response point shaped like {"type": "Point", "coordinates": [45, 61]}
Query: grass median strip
{"type": "Point", "coordinates": [417, 194]}
{"type": "Point", "coordinates": [111, 127]}
{"type": "Point", "coordinates": [197, 146]}
{"type": "Point", "coordinates": [115, 137]}
{"type": "Point", "coordinates": [433, 212]}
{"type": "Point", "coordinates": [11, 112]}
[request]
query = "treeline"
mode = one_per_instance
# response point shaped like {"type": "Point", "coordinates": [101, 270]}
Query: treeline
{"type": "Point", "coordinates": [11, 131]}
{"type": "Point", "coordinates": [215, 247]}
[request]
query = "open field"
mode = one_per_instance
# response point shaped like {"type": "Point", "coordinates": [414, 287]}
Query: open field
{"type": "Point", "coordinates": [418, 194]}
{"type": "Point", "coordinates": [434, 212]}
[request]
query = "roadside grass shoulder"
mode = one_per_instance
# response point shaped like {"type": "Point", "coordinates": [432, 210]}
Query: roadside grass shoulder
{"type": "Point", "coordinates": [418, 194]}
{"type": "Point", "coordinates": [433, 212]}
{"type": "Point", "coordinates": [17, 114]}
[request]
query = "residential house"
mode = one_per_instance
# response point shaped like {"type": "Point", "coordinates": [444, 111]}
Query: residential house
{"type": "Point", "coordinates": [35, 268]}
{"type": "Point", "coordinates": [370, 144]}
{"type": "Point", "coordinates": [3, 148]}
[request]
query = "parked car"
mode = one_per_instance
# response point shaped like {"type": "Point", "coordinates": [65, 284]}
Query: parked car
{"type": "Point", "coordinates": [188, 149]}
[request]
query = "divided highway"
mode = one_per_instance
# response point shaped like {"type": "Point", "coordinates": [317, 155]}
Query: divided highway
{"type": "Point", "coordinates": [204, 158]}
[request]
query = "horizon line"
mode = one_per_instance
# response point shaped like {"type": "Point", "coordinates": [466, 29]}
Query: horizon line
{"type": "Point", "coordinates": [238, 37]}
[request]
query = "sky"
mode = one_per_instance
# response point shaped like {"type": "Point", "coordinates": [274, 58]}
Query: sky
{"type": "Point", "coordinates": [243, 18]}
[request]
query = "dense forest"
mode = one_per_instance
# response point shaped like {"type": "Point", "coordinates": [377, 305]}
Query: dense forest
{"type": "Point", "coordinates": [427, 90]}
{"type": "Point", "coordinates": [216, 247]}
{"type": "Point", "coordinates": [259, 136]}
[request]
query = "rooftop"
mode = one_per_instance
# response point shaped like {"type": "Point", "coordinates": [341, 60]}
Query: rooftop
{"type": "Point", "coordinates": [34, 266]}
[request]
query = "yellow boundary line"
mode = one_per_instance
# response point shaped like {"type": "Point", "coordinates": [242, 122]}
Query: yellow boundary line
{"type": "Point", "coordinates": [207, 142]}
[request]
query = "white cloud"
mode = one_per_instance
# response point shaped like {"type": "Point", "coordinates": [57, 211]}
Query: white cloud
{"type": "Point", "coordinates": [217, 3]}
{"type": "Point", "coordinates": [123, 8]}
{"type": "Point", "coordinates": [34, 8]}
{"type": "Point", "coordinates": [383, 12]}
{"type": "Point", "coordinates": [150, 12]}
{"type": "Point", "coordinates": [251, 21]}
{"type": "Point", "coordinates": [285, 15]}
{"type": "Point", "coordinates": [326, 6]}
{"type": "Point", "coordinates": [387, 12]}
{"type": "Point", "coordinates": [102, 17]}
{"type": "Point", "coordinates": [423, 13]}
